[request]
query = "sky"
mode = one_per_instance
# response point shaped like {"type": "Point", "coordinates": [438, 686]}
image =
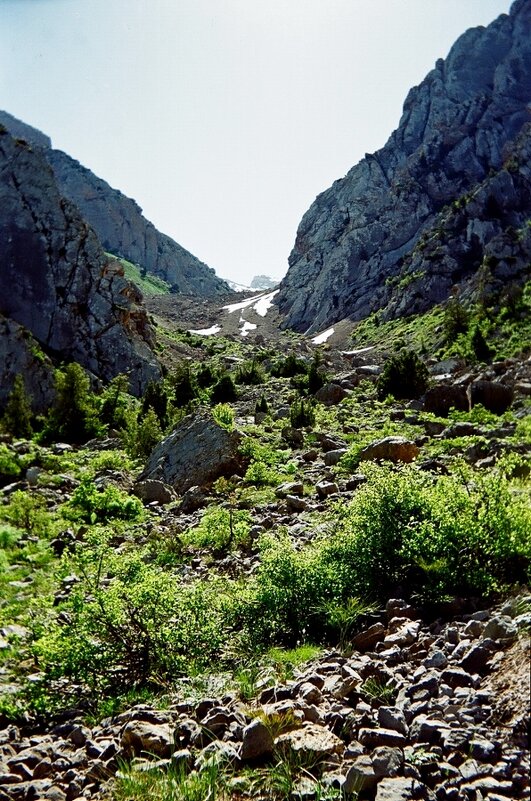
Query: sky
{"type": "Point", "coordinates": [223, 119]}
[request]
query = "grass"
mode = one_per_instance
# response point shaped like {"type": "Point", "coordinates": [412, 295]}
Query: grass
{"type": "Point", "coordinates": [148, 284]}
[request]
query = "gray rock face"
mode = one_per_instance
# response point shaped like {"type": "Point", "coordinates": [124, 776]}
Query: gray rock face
{"type": "Point", "coordinates": [384, 237]}
{"type": "Point", "coordinates": [56, 281]}
{"type": "Point", "coordinates": [118, 220]}
{"type": "Point", "coordinates": [196, 453]}
{"type": "Point", "coordinates": [20, 354]}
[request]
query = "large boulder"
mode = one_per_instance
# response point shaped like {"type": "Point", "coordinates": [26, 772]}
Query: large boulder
{"type": "Point", "coordinates": [494, 396]}
{"type": "Point", "coordinates": [196, 453]}
{"type": "Point", "coordinates": [392, 449]}
{"type": "Point", "coordinates": [443, 397]}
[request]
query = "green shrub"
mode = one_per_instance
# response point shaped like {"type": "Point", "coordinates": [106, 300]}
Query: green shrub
{"type": "Point", "coordinates": [92, 504]}
{"type": "Point", "coordinates": [10, 466]}
{"type": "Point", "coordinates": [223, 414]}
{"type": "Point", "coordinates": [301, 414]}
{"type": "Point", "coordinates": [250, 373]}
{"type": "Point", "coordinates": [184, 386]}
{"type": "Point", "coordinates": [289, 367]}
{"type": "Point", "coordinates": [27, 511]}
{"type": "Point", "coordinates": [261, 406]}
{"type": "Point", "coordinates": [17, 415]}
{"type": "Point", "coordinates": [317, 378]}
{"type": "Point", "coordinates": [220, 528]}
{"type": "Point", "coordinates": [115, 403]}
{"type": "Point", "coordinates": [74, 415]}
{"type": "Point", "coordinates": [156, 399]}
{"type": "Point", "coordinates": [456, 319]}
{"type": "Point", "coordinates": [224, 390]}
{"type": "Point", "coordinates": [404, 376]}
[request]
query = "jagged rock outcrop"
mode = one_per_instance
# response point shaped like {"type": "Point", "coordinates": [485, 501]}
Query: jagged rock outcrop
{"type": "Point", "coordinates": [56, 281]}
{"type": "Point", "coordinates": [119, 223]}
{"type": "Point", "coordinates": [461, 140]}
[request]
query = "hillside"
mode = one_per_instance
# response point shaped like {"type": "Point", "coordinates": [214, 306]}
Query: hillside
{"type": "Point", "coordinates": [434, 205]}
{"type": "Point", "coordinates": [119, 223]}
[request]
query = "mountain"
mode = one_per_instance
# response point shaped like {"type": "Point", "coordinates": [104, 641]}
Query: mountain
{"type": "Point", "coordinates": [118, 220]}
{"type": "Point", "coordinates": [60, 294]}
{"type": "Point", "coordinates": [422, 212]}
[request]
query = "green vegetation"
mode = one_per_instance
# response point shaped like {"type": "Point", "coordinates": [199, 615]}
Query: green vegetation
{"type": "Point", "coordinates": [403, 376]}
{"type": "Point", "coordinates": [148, 283]}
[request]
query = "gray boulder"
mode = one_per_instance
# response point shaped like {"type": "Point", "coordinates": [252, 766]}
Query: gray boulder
{"type": "Point", "coordinates": [393, 449]}
{"type": "Point", "coordinates": [196, 453]}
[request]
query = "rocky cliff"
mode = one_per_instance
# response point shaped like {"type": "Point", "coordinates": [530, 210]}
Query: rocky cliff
{"type": "Point", "coordinates": [459, 141]}
{"type": "Point", "coordinates": [56, 281]}
{"type": "Point", "coordinates": [119, 223]}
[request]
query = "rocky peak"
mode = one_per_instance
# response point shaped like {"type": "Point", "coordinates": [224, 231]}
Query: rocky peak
{"type": "Point", "coordinates": [57, 282]}
{"type": "Point", "coordinates": [455, 130]}
{"type": "Point", "coordinates": [118, 220]}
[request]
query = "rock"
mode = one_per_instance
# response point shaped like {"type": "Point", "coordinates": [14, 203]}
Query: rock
{"type": "Point", "coordinates": [396, 790]}
{"type": "Point", "coordinates": [387, 761]}
{"type": "Point", "coordinates": [332, 458]}
{"type": "Point", "coordinates": [393, 449]}
{"type": "Point", "coordinates": [197, 452]}
{"type": "Point", "coordinates": [82, 308]}
{"type": "Point", "coordinates": [257, 741]}
{"type": "Point", "coordinates": [494, 396]}
{"type": "Point", "coordinates": [397, 607]}
{"type": "Point", "coordinates": [372, 738]}
{"type": "Point", "coordinates": [388, 222]}
{"type": "Point", "coordinates": [193, 499]}
{"type": "Point", "coordinates": [443, 397]}
{"type": "Point", "coordinates": [295, 504]}
{"type": "Point", "coordinates": [326, 488]}
{"type": "Point", "coordinates": [500, 628]}
{"type": "Point", "coordinates": [152, 490]}
{"type": "Point", "coordinates": [290, 488]}
{"type": "Point", "coordinates": [392, 718]}
{"type": "Point", "coordinates": [331, 394]}
{"type": "Point", "coordinates": [310, 740]}
{"type": "Point", "coordinates": [139, 737]}
{"type": "Point", "coordinates": [366, 640]}
{"type": "Point", "coordinates": [475, 659]}
{"type": "Point", "coordinates": [360, 776]}
{"type": "Point", "coordinates": [217, 753]}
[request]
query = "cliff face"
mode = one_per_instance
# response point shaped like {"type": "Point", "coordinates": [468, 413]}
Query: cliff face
{"type": "Point", "coordinates": [118, 221]}
{"type": "Point", "coordinates": [56, 281]}
{"type": "Point", "coordinates": [360, 241]}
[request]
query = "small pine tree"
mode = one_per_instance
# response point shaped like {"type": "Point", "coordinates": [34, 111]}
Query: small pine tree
{"type": "Point", "coordinates": [73, 417]}
{"type": "Point", "coordinates": [156, 398]}
{"type": "Point", "coordinates": [404, 376]}
{"type": "Point", "coordinates": [115, 403]}
{"type": "Point", "coordinates": [184, 386]}
{"type": "Point", "coordinates": [316, 377]}
{"type": "Point", "coordinates": [479, 344]}
{"type": "Point", "coordinates": [456, 319]}
{"type": "Point", "coordinates": [301, 414]}
{"type": "Point", "coordinates": [17, 415]}
{"type": "Point", "coordinates": [224, 390]}
{"type": "Point", "coordinates": [261, 406]}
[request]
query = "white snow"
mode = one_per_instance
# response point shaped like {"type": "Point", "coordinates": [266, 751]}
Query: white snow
{"type": "Point", "coordinates": [357, 352]}
{"type": "Point", "coordinates": [264, 303]}
{"type": "Point", "coordinates": [232, 307]}
{"type": "Point", "coordinates": [205, 332]}
{"type": "Point", "coordinates": [320, 338]}
{"type": "Point", "coordinates": [246, 327]}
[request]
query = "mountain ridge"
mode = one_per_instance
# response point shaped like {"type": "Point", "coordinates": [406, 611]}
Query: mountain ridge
{"type": "Point", "coordinates": [456, 126]}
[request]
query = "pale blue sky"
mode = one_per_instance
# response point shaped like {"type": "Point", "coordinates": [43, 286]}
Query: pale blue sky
{"type": "Point", "coordinates": [223, 118]}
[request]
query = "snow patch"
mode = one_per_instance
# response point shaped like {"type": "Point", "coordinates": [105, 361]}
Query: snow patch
{"type": "Point", "coordinates": [320, 338]}
{"type": "Point", "coordinates": [205, 332]}
{"type": "Point", "coordinates": [232, 307]}
{"type": "Point", "coordinates": [246, 327]}
{"type": "Point", "coordinates": [264, 303]}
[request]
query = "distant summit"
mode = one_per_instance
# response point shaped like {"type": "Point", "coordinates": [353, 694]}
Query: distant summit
{"type": "Point", "coordinates": [118, 220]}
{"type": "Point", "coordinates": [263, 282]}
{"type": "Point", "coordinates": [446, 199]}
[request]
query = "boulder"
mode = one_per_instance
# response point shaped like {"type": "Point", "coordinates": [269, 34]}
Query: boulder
{"type": "Point", "coordinates": [257, 741]}
{"type": "Point", "coordinates": [151, 490]}
{"type": "Point", "coordinates": [140, 737]}
{"type": "Point", "coordinates": [443, 397]}
{"type": "Point", "coordinates": [311, 740]}
{"type": "Point", "coordinates": [494, 396]}
{"type": "Point", "coordinates": [196, 453]}
{"type": "Point", "coordinates": [331, 394]}
{"type": "Point", "coordinates": [392, 449]}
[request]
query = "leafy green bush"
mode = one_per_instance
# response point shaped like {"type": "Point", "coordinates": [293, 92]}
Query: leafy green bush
{"type": "Point", "coordinates": [184, 386]}
{"type": "Point", "coordinates": [223, 414]}
{"type": "Point", "coordinates": [220, 528]}
{"type": "Point", "coordinates": [289, 367]}
{"type": "Point", "coordinates": [27, 511]}
{"type": "Point", "coordinates": [92, 504]}
{"type": "Point", "coordinates": [456, 319]}
{"type": "Point", "coordinates": [10, 466]}
{"type": "Point", "coordinates": [404, 376]}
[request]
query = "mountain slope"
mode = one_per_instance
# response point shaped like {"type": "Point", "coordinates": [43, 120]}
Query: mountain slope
{"type": "Point", "coordinates": [56, 281]}
{"type": "Point", "coordinates": [456, 129]}
{"type": "Point", "coordinates": [119, 223]}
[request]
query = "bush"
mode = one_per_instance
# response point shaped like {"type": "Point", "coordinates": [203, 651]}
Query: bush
{"type": "Point", "coordinates": [156, 399]}
{"type": "Point", "coordinates": [17, 415]}
{"type": "Point", "coordinates": [185, 388]}
{"type": "Point", "coordinates": [456, 319]}
{"type": "Point", "coordinates": [224, 390]}
{"type": "Point", "coordinates": [250, 373]}
{"type": "Point", "coordinates": [301, 414]}
{"type": "Point", "coordinates": [220, 528]}
{"type": "Point", "coordinates": [404, 376]}
{"type": "Point", "coordinates": [289, 367]}
{"type": "Point", "coordinates": [74, 415]}
{"type": "Point", "coordinates": [92, 504]}
{"type": "Point", "coordinates": [223, 414]}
